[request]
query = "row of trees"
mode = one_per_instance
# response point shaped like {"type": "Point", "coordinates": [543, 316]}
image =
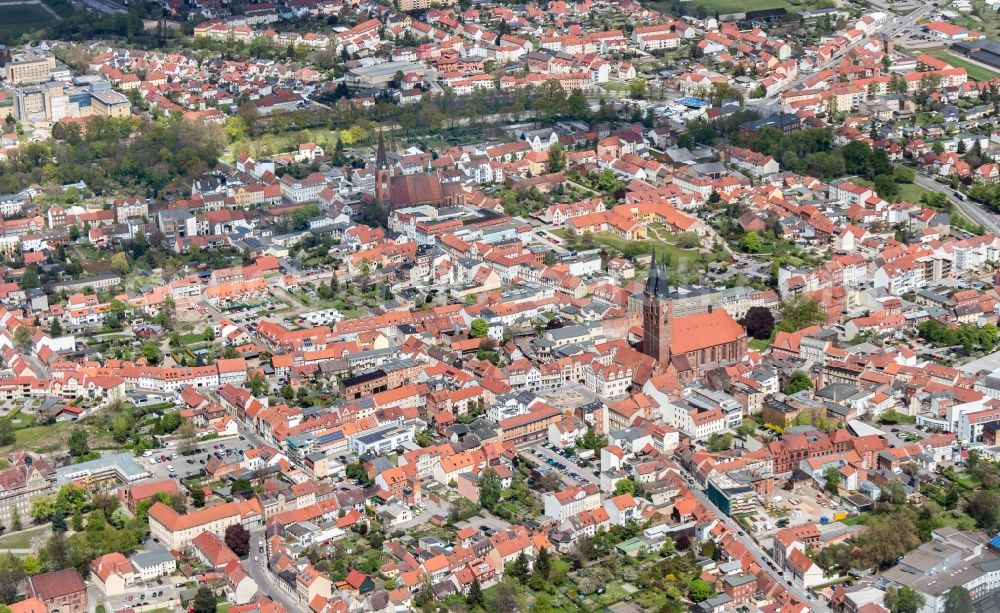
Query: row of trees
{"type": "Point", "coordinates": [970, 336]}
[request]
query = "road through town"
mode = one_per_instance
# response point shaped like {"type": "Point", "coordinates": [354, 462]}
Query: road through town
{"type": "Point", "coordinates": [759, 554]}
{"type": "Point", "coordinates": [976, 213]}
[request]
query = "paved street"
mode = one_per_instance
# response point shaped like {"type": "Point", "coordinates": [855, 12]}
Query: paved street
{"type": "Point", "coordinates": [264, 579]}
{"type": "Point", "coordinates": [759, 554]}
{"type": "Point", "coordinates": [977, 213]}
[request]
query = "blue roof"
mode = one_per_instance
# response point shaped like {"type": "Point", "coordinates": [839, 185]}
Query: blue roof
{"type": "Point", "coordinates": [693, 102]}
{"type": "Point", "coordinates": [995, 542]}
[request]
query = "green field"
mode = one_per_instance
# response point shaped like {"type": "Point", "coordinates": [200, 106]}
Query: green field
{"type": "Point", "coordinates": [908, 192]}
{"type": "Point", "coordinates": [978, 72]}
{"type": "Point", "coordinates": [686, 259]}
{"type": "Point", "coordinates": [22, 18]}
{"type": "Point", "coordinates": [22, 539]}
{"type": "Point", "coordinates": [725, 7]}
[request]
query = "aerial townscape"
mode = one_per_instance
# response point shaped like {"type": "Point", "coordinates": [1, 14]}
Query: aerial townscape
{"type": "Point", "coordinates": [371, 306]}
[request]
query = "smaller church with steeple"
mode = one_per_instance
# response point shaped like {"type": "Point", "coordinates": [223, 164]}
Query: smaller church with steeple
{"type": "Point", "coordinates": [686, 346]}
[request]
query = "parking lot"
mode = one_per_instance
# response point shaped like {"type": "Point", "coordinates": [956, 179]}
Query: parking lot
{"type": "Point", "coordinates": [177, 466]}
{"type": "Point", "coordinates": [485, 523]}
{"type": "Point", "coordinates": [568, 466]}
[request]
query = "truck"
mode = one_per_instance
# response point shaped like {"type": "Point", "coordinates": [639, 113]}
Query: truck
{"type": "Point", "coordinates": [824, 520]}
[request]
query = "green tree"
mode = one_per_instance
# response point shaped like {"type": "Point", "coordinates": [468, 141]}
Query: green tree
{"type": "Point", "coordinates": [119, 263]}
{"type": "Point", "coordinates": [624, 486]}
{"type": "Point", "coordinates": [59, 522]}
{"type": "Point", "coordinates": [902, 174]}
{"type": "Point", "coordinates": [22, 337]}
{"type": "Point", "coordinates": [257, 384]}
{"type": "Point", "coordinates": [688, 240]}
{"type": "Point", "coordinates": [198, 497]}
{"type": "Point", "coordinates": [985, 509]}
{"type": "Point", "coordinates": [518, 569]}
{"type": "Point", "coordinates": [638, 89]}
{"type": "Point", "coordinates": [76, 522]}
{"type": "Point", "coordinates": [831, 477]}
{"type": "Point", "coordinates": [747, 427]}
{"type": "Point", "coordinates": [11, 576]}
{"type": "Point", "coordinates": [15, 521]}
{"type": "Point", "coordinates": [78, 443]}
{"type": "Point", "coordinates": [479, 328]}
{"type": "Point", "coordinates": [204, 601]}
{"type": "Point", "coordinates": [700, 590]}
{"type": "Point", "coordinates": [751, 242]}
{"type": "Point", "coordinates": [720, 442]}
{"type": "Point", "coordinates": [30, 278]}
{"type": "Point", "coordinates": [886, 187]}
{"type": "Point", "coordinates": [475, 596]}
{"type": "Point", "coordinates": [958, 601]}
{"type": "Point", "coordinates": [151, 351]}
{"type": "Point", "coordinates": [543, 564]}
{"type": "Point", "coordinates": [857, 155]}
{"type": "Point", "coordinates": [557, 157]}
{"type": "Point", "coordinates": [903, 600]}
{"type": "Point", "coordinates": [235, 128]}
{"type": "Point", "coordinates": [7, 436]}
{"type": "Point", "coordinates": [797, 382]}
{"type": "Point", "coordinates": [886, 539]}
{"type": "Point", "coordinates": [32, 566]}
{"type": "Point", "coordinates": [800, 312]}
{"type": "Point", "coordinates": [490, 489]}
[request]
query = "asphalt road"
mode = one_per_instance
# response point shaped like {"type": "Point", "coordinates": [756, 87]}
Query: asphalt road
{"type": "Point", "coordinates": [974, 211]}
{"type": "Point", "coordinates": [265, 580]}
{"type": "Point", "coordinates": [759, 554]}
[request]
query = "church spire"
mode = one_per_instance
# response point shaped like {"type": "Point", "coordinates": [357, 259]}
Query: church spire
{"type": "Point", "coordinates": [663, 287]}
{"type": "Point", "coordinates": [654, 275]}
{"type": "Point", "coordinates": [381, 159]}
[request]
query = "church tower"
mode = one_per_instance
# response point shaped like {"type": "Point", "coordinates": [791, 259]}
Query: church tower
{"type": "Point", "coordinates": [383, 175]}
{"type": "Point", "coordinates": [657, 314]}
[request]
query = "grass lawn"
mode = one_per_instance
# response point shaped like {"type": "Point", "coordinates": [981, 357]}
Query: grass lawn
{"type": "Point", "coordinates": [857, 520]}
{"type": "Point", "coordinates": [759, 344]}
{"type": "Point", "coordinates": [22, 539]}
{"type": "Point", "coordinates": [614, 593]}
{"type": "Point", "coordinates": [978, 72]}
{"type": "Point", "coordinates": [685, 259]}
{"type": "Point", "coordinates": [21, 18]}
{"type": "Point", "coordinates": [41, 439]}
{"type": "Point", "coordinates": [963, 522]}
{"type": "Point", "coordinates": [908, 192]}
{"type": "Point", "coordinates": [192, 339]}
